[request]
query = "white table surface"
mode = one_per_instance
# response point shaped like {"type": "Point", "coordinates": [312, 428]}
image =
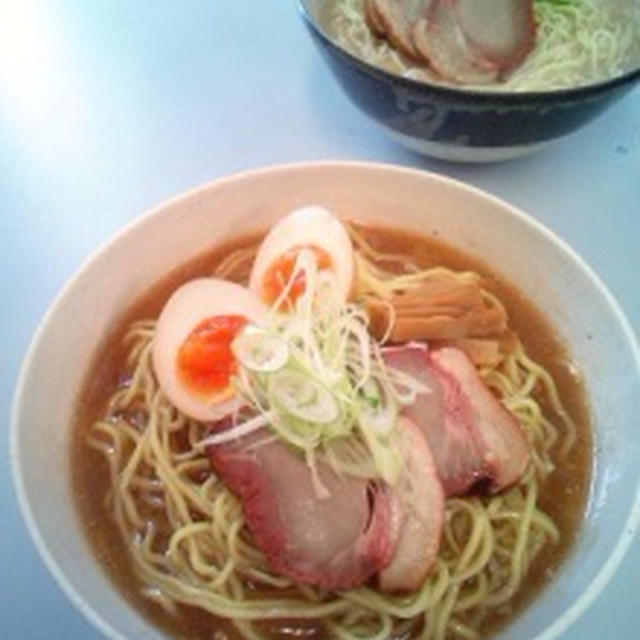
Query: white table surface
{"type": "Point", "coordinates": [107, 107]}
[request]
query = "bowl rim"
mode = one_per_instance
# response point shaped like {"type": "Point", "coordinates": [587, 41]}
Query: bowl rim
{"type": "Point", "coordinates": [461, 93]}
{"type": "Point", "coordinates": [552, 631]}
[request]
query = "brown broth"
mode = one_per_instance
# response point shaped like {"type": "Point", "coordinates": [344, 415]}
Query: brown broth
{"type": "Point", "coordinates": [563, 497]}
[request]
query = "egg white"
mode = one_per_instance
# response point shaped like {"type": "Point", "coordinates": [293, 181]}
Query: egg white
{"type": "Point", "coordinates": [189, 305]}
{"type": "Point", "coordinates": [314, 226]}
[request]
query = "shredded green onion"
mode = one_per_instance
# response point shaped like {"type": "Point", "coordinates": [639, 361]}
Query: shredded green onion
{"type": "Point", "coordinates": [302, 397]}
{"type": "Point", "coordinates": [260, 351]}
{"type": "Point", "coordinates": [319, 376]}
{"type": "Point", "coordinates": [559, 2]}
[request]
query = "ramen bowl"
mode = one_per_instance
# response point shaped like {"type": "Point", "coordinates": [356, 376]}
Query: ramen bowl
{"type": "Point", "coordinates": [459, 124]}
{"type": "Point", "coordinates": [575, 302]}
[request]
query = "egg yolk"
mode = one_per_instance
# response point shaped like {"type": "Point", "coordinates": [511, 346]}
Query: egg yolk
{"type": "Point", "coordinates": [279, 273]}
{"type": "Point", "coordinates": [205, 362]}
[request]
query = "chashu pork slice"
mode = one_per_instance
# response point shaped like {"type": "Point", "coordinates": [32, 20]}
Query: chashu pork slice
{"type": "Point", "coordinates": [444, 416]}
{"type": "Point", "coordinates": [441, 40]}
{"type": "Point", "coordinates": [419, 509]}
{"type": "Point", "coordinates": [393, 19]}
{"type": "Point", "coordinates": [465, 41]}
{"type": "Point", "coordinates": [373, 19]}
{"type": "Point", "coordinates": [472, 437]}
{"type": "Point", "coordinates": [475, 42]}
{"type": "Point", "coordinates": [336, 542]}
{"type": "Point", "coordinates": [504, 446]}
{"type": "Point", "coordinates": [503, 31]}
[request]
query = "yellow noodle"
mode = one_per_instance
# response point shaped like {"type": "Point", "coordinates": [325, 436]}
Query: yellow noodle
{"type": "Point", "coordinates": [236, 262]}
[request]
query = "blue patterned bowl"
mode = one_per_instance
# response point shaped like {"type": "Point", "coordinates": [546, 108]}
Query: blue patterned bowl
{"type": "Point", "coordinates": [462, 124]}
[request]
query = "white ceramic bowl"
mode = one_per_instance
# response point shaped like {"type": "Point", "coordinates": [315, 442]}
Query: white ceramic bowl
{"type": "Point", "coordinates": [546, 270]}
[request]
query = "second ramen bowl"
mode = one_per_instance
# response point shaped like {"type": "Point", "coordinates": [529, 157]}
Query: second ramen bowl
{"type": "Point", "coordinates": [459, 124]}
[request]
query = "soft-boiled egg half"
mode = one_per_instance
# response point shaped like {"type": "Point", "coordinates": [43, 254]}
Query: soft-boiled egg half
{"type": "Point", "coordinates": [313, 228]}
{"type": "Point", "coordinates": [192, 355]}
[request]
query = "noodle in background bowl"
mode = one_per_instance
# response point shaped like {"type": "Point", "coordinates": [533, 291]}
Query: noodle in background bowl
{"type": "Point", "coordinates": [546, 271]}
{"type": "Point", "coordinates": [459, 123]}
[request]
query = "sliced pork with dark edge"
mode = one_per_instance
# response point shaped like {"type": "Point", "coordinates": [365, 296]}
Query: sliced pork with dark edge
{"type": "Point", "coordinates": [373, 18]}
{"type": "Point", "coordinates": [472, 437]}
{"type": "Point", "coordinates": [419, 508]}
{"type": "Point", "coordinates": [337, 542]}
{"type": "Point", "coordinates": [504, 446]}
{"type": "Point", "coordinates": [444, 417]}
{"type": "Point", "coordinates": [441, 40]}
{"type": "Point", "coordinates": [502, 31]}
{"type": "Point", "coordinates": [464, 41]}
{"type": "Point", "coordinates": [394, 19]}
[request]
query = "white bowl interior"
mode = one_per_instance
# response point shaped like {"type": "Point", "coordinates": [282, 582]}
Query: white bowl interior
{"type": "Point", "coordinates": [547, 272]}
